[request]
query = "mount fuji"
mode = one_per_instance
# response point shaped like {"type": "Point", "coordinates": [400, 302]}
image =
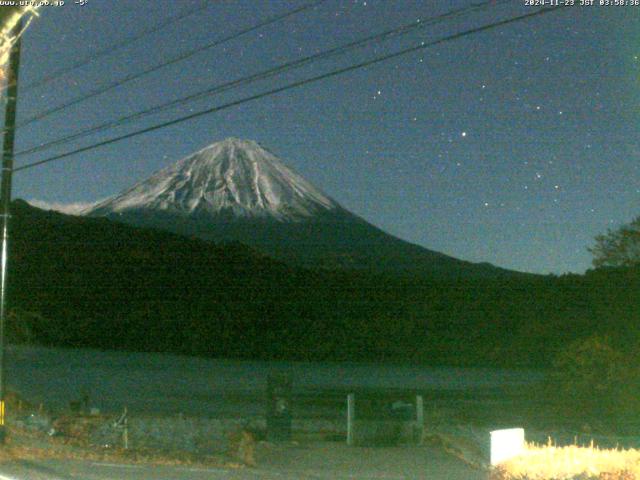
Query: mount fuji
{"type": "Point", "coordinates": [233, 178]}
{"type": "Point", "coordinates": [235, 190]}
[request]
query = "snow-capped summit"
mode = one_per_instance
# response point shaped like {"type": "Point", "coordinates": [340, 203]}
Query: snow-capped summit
{"type": "Point", "coordinates": [234, 176]}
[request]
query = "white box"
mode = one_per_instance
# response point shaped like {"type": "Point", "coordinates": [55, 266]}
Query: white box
{"type": "Point", "coordinates": [506, 444]}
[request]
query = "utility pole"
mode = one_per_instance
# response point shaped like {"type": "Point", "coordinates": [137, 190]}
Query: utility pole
{"type": "Point", "coordinates": [5, 202]}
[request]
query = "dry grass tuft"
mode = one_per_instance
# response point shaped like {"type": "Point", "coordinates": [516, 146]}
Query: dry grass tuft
{"type": "Point", "coordinates": [24, 445]}
{"type": "Point", "coordinates": [573, 462]}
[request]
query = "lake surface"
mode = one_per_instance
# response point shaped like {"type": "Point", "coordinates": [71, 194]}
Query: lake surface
{"type": "Point", "coordinates": [160, 383]}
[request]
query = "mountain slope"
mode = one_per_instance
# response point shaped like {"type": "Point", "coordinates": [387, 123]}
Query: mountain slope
{"type": "Point", "coordinates": [91, 282]}
{"type": "Point", "coordinates": [235, 190]}
{"type": "Point", "coordinates": [234, 178]}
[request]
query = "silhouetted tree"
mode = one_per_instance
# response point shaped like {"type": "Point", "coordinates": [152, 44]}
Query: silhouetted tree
{"type": "Point", "coordinates": [618, 248]}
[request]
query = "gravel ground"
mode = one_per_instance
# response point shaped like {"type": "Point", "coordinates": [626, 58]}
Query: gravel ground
{"type": "Point", "coordinates": [335, 460]}
{"type": "Point", "coordinates": [323, 460]}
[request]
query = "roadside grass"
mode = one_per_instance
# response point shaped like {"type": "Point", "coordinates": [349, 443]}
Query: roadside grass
{"type": "Point", "coordinates": [549, 462]}
{"type": "Point", "coordinates": [27, 445]}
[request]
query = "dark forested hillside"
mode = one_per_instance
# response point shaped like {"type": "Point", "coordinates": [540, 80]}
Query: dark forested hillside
{"type": "Point", "coordinates": [92, 282]}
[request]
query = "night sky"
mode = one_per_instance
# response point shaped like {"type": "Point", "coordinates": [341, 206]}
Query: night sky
{"type": "Point", "coordinates": [514, 146]}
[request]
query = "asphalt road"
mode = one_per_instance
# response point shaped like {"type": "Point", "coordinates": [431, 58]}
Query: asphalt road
{"type": "Point", "coordinates": [320, 462]}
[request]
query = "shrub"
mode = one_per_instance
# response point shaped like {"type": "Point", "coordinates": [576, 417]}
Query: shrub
{"type": "Point", "coordinates": [594, 382]}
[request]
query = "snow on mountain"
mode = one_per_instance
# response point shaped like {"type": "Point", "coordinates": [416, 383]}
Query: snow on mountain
{"type": "Point", "coordinates": [75, 208]}
{"type": "Point", "coordinates": [232, 176]}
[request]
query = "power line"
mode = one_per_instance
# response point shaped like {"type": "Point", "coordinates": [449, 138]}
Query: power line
{"type": "Point", "coordinates": [116, 46]}
{"type": "Point", "coordinates": [179, 58]}
{"type": "Point", "coordinates": [271, 72]}
{"type": "Point", "coordinates": [296, 84]}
